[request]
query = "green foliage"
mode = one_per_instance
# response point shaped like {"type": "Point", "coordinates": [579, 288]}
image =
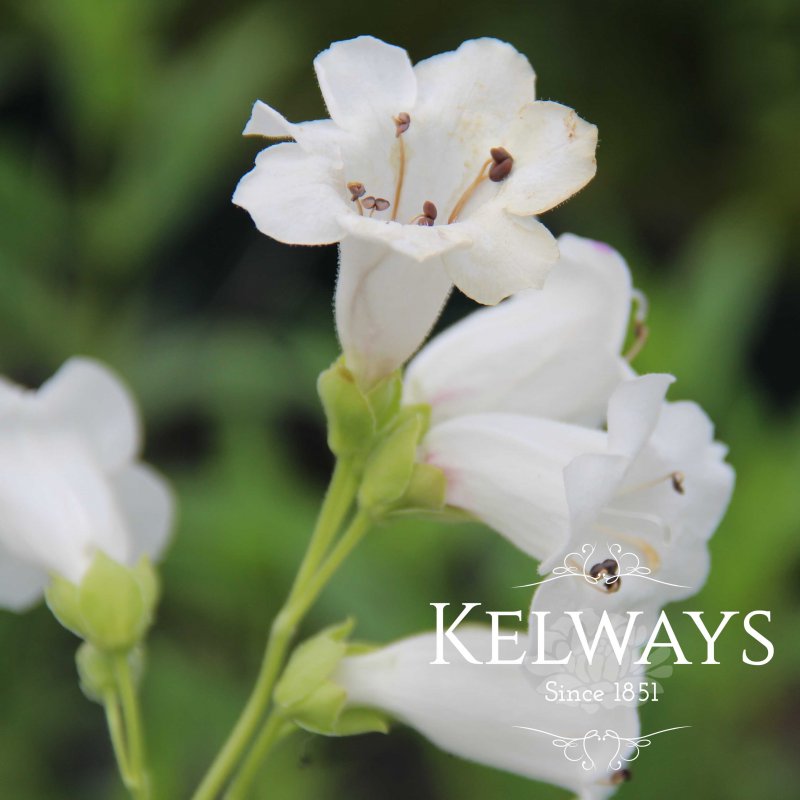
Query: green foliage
{"type": "Point", "coordinates": [119, 146]}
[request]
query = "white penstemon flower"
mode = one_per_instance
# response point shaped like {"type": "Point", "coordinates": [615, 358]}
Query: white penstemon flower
{"type": "Point", "coordinates": [428, 176]}
{"type": "Point", "coordinates": [485, 713]}
{"type": "Point", "coordinates": [446, 162]}
{"type": "Point", "coordinates": [71, 484]}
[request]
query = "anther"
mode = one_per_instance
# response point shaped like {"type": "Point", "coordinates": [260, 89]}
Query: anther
{"type": "Point", "coordinates": [368, 203]}
{"type": "Point", "coordinates": [501, 167]}
{"type": "Point", "coordinates": [401, 122]}
{"type": "Point", "coordinates": [356, 190]}
{"type": "Point", "coordinates": [620, 776]}
{"type": "Point", "coordinates": [428, 215]}
{"type": "Point", "coordinates": [605, 574]}
{"type": "Point", "coordinates": [679, 482]}
{"type": "Point", "coordinates": [381, 204]}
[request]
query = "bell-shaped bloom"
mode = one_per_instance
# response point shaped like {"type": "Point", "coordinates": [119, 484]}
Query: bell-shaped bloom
{"type": "Point", "coordinates": [446, 162]}
{"type": "Point", "coordinates": [490, 713]}
{"type": "Point", "coordinates": [655, 487]}
{"type": "Point", "coordinates": [553, 353]}
{"type": "Point", "coordinates": [645, 508]}
{"type": "Point", "coordinates": [71, 483]}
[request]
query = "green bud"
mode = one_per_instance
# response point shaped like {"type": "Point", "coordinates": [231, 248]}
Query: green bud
{"type": "Point", "coordinates": [351, 422]}
{"type": "Point", "coordinates": [311, 663]}
{"type": "Point", "coordinates": [425, 491]}
{"type": "Point", "coordinates": [384, 399]}
{"type": "Point", "coordinates": [306, 695]}
{"type": "Point", "coordinates": [116, 603]}
{"type": "Point", "coordinates": [62, 600]}
{"type": "Point", "coordinates": [390, 465]}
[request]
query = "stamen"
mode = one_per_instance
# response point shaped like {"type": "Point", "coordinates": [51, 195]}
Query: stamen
{"type": "Point", "coordinates": [357, 191]}
{"type": "Point", "coordinates": [402, 122]}
{"type": "Point", "coordinates": [620, 776]}
{"type": "Point", "coordinates": [677, 479]}
{"type": "Point", "coordinates": [605, 575]}
{"type": "Point", "coordinates": [503, 162]}
{"type": "Point", "coordinates": [373, 204]}
{"type": "Point", "coordinates": [470, 190]}
{"type": "Point", "coordinates": [641, 331]}
{"type": "Point", "coordinates": [428, 215]}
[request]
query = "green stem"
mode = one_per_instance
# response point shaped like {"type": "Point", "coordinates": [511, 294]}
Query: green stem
{"type": "Point", "coordinates": [117, 733]}
{"type": "Point", "coordinates": [134, 735]}
{"type": "Point", "coordinates": [337, 502]}
{"type": "Point", "coordinates": [275, 729]}
{"type": "Point", "coordinates": [295, 611]}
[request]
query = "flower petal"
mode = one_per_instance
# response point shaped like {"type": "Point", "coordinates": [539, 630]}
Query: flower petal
{"type": "Point", "coordinates": [550, 353]}
{"type": "Point", "coordinates": [21, 584]}
{"type": "Point", "coordinates": [508, 254]}
{"type": "Point", "coordinates": [415, 241]}
{"type": "Point", "coordinates": [483, 712]}
{"type": "Point", "coordinates": [293, 196]}
{"type": "Point", "coordinates": [466, 101]}
{"type": "Point", "coordinates": [506, 469]}
{"type": "Point", "coordinates": [320, 137]}
{"type": "Point", "coordinates": [633, 412]}
{"type": "Point", "coordinates": [554, 157]}
{"type": "Point", "coordinates": [146, 503]}
{"type": "Point", "coordinates": [366, 83]}
{"type": "Point", "coordinates": [386, 303]}
{"type": "Point", "coordinates": [85, 397]}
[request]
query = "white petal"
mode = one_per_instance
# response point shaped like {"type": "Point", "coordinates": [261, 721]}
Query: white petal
{"type": "Point", "coordinates": [365, 83]}
{"type": "Point", "coordinates": [633, 412]}
{"type": "Point", "coordinates": [147, 506]}
{"type": "Point", "coordinates": [549, 353]}
{"type": "Point", "coordinates": [507, 470]}
{"type": "Point", "coordinates": [293, 196]}
{"type": "Point", "coordinates": [386, 303]}
{"type": "Point", "coordinates": [479, 712]}
{"type": "Point", "coordinates": [85, 397]}
{"type": "Point", "coordinates": [21, 584]}
{"type": "Point", "coordinates": [507, 254]}
{"type": "Point", "coordinates": [319, 137]}
{"type": "Point", "coordinates": [553, 151]}
{"type": "Point", "coordinates": [466, 101]}
{"type": "Point", "coordinates": [57, 505]}
{"type": "Point", "coordinates": [419, 242]}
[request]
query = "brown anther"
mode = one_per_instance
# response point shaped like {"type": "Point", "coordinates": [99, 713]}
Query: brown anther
{"type": "Point", "coordinates": [678, 482]}
{"type": "Point", "coordinates": [356, 190]}
{"type": "Point", "coordinates": [605, 574]}
{"type": "Point", "coordinates": [620, 776]}
{"type": "Point", "coordinates": [501, 167]}
{"type": "Point", "coordinates": [381, 204]}
{"type": "Point", "coordinates": [401, 121]}
{"type": "Point", "coordinates": [429, 210]}
{"type": "Point", "coordinates": [368, 202]}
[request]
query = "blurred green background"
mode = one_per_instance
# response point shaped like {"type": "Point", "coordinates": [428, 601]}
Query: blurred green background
{"type": "Point", "coordinates": [119, 149]}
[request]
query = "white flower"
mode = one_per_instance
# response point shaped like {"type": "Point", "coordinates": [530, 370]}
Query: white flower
{"type": "Point", "coordinates": [650, 503]}
{"type": "Point", "coordinates": [446, 163]}
{"type": "Point", "coordinates": [484, 712]}
{"type": "Point", "coordinates": [553, 353]}
{"type": "Point", "coordinates": [71, 483]}
{"type": "Point", "coordinates": [656, 484]}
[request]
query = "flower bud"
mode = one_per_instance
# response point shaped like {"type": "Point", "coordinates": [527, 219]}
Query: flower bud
{"type": "Point", "coordinates": [351, 422]}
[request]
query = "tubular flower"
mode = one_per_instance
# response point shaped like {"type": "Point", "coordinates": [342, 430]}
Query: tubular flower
{"type": "Point", "coordinates": [655, 485]}
{"type": "Point", "coordinates": [446, 162]}
{"type": "Point", "coordinates": [71, 484]}
{"type": "Point", "coordinates": [553, 353]}
{"type": "Point", "coordinates": [490, 714]}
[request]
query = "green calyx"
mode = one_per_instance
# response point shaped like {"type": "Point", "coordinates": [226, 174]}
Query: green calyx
{"type": "Point", "coordinates": [308, 697]}
{"type": "Point", "coordinates": [113, 606]}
